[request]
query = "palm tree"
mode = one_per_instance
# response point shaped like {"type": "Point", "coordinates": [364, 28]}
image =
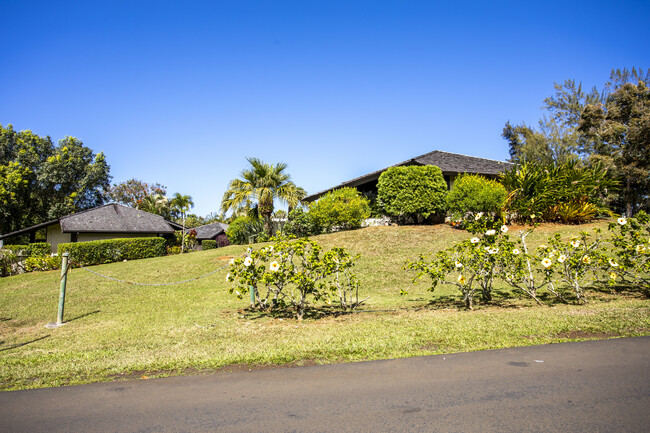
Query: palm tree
{"type": "Point", "coordinates": [258, 188]}
{"type": "Point", "coordinates": [156, 204]}
{"type": "Point", "coordinates": [182, 203]}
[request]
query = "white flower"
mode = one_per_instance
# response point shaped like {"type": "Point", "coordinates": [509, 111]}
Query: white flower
{"type": "Point", "coordinates": [478, 216]}
{"type": "Point", "coordinates": [459, 264]}
{"type": "Point", "coordinates": [586, 259]}
{"type": "Point", "coordinates": [613, 263]}
{"type": "Point", "coordinates": [269, 248]}
{"type": "Point", "coordinates": [640, 249]}
{"type": "Point", "coordinates": [561, 259]}
{"type": "Point", "coordinates": [504, 229]}
{"type": "Point", "coordinates": [493, 250]}
{"type": "Point", "coordinates": [542, 247]}
{"type": "Point", "coordinates": [274, 266]}
{"type": "Point", "coordinates": [547, 262]}
{"type": "Point", "coordinates": [490, 232]}
{"type": "Point", "coordinates": [231, 262]}
{"type": "Point", "coordinates": [248, 261]}
{"type": "Point", "coordinates": [228, 277]}
{"type": "Point", "coordinates": [575, 243]}
{"type": "Point", "coordinates": [516, 251]}
{"type": "Point", "coordinates": [612, 276]}
{"type": "Point", "coordinates": [532, 216]}
{"type": "Point", "coordinates": [474, 240]}
{"type": "Point", "coordinates": [622, 221]}
{"type": "Point", "coordinates": [461, 279]}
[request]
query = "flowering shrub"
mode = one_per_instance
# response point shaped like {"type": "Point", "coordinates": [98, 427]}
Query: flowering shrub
{"type": "Point", "coordinates": [631, 247]}
{"type": "Point", "coordinates": [575, 263]}
{"type": "Point", "coordinates": [42, 263]}
{"type": "Point", "coordinates": [471, 265]}
{"type": "Point", "coordinates": [295, 273]}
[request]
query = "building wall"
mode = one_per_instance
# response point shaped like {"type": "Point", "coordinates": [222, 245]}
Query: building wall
{"type": "Point", "coordinates": [55, 236]}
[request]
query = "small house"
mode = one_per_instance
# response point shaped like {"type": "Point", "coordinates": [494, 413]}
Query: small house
{"type": "Point", "coordinates": [110, 221]}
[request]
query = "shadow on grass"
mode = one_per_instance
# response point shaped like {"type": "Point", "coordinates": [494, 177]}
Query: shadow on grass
{"type": "Point", "coordinates": [82, 316]}
{"type": "Point", "coordinates": [14, 346]}
{"type": "Point", "coordinates": [5, 319]}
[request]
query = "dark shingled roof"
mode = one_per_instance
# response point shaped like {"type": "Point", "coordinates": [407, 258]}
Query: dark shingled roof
{"type": "Point", "coordinates": [209, 231]}
{"type": "Point", "coordinates": [115, 218]}
{"type": "Point", "coordinates": [110, 218]}
{"type": "Point", "coordinates": [449, 163]}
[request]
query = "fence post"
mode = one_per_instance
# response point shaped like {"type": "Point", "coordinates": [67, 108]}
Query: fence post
{"type": "Point", "coordinates": [251, 288]}
{"type": "Point", "coordinates": [64, 279]}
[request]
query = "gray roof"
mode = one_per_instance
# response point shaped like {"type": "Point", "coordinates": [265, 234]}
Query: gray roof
{"type": "Point", "coordinates": [115, 218]}
{"type": "Point", "coordinates": [209, 231]}
{"type": "Point", "coordinates": [110, 218]}
{"type": "Point", "coordinates": [449, 163]}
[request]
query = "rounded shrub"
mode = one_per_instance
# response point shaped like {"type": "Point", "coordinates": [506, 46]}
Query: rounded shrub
{"type": "Point", "coordinates": [413, 192]}
{"type": "Point", "coordinates": [473, 194]}
{"type": "Point", "coordinates": [343, 208]}
{"type": "Point", "coordinates": [246, 229]}
{"type": "Point", "coordinates": [301, 224]}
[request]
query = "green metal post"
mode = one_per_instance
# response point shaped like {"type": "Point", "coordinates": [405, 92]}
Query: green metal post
{"type": "Point", "coordinates": [64, 278]}
{"type": "Point", "coordinates": [252, 290]}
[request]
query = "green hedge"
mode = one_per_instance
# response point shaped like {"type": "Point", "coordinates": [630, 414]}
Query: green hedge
{"type": "Point", "coordinates": [209, 244]}
{"type": "Point", "coordinates": [36, 249]}
{"type": "Point", "coordinates": [113, 250]}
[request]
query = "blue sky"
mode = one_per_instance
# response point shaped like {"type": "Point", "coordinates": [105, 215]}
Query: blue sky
{"type": "Point", "coordinates": [182, 92]}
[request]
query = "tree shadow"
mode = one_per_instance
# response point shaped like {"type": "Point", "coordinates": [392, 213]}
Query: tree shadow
{"type": "Point", "coordinates": [14, 346]}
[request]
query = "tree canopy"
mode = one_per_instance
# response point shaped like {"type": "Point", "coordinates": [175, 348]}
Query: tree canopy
{"type": "Point", "coordinates": [611, 127]}
{"type": "Point", "coordinates": [40, 180]}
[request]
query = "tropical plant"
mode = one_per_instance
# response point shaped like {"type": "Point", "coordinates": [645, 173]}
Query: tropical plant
{"type": "Point", "coordinates": [301, 224]}
{"type": "Point", "coordinates": [570, 192]}
{"type": "Point", "coordinates": [246, 230]}
{"type": "Point", "coordinates": [181, 204]}
{"type": "Point", "coordinates": [258, 188]}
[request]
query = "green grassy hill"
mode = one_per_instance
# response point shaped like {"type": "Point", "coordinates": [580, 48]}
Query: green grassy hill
{"type": "Point", "coordinates": [117, 330]}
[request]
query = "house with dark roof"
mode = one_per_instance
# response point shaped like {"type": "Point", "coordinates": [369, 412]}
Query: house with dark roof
{"type": "Point", "coordinates": [214, 231]}
{"type": "Point", "coordinates": [452, 165]}
{"type": "Point", "coordinates": [109, 221]}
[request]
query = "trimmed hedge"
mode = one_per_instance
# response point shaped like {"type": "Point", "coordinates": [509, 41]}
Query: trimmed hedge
{"type": "Point", "coordinates": [413, 191]}
{"type": "Point", "coordinates": [209, 244]}
{"type": "Point", "coordinates": [31, 250]}
{"type": "Point", "coordinates": [113, 250]}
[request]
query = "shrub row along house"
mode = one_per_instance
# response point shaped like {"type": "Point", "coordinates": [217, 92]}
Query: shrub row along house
{"type": "Point", "coordinates": [110, 221]}
{"type": "Point", "coordinates": [452, 165]}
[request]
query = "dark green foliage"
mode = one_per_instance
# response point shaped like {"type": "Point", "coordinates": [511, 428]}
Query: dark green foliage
{"type": "Point", "coordinates": [245, 230]}
{"type": "Point", "coordinates": [113, 250]}
{"type": "Point", "coordinates": [40, 181]}
{"type": "Point", "coordinates": [472, 194]}
{"type": "Point", "coordinates": [413, 192]}
{"type": "Point", "coordinates": [301, 224]}
{"type": "Point", "coordinates": [570, 192]}
{"type": "Point", "coordinates": [343, 208]}
{"type": "Point", "coordinates": [209, 244]}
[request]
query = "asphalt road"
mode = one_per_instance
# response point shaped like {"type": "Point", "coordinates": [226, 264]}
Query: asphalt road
{"type": "Point", "coordinates": [594, 386]}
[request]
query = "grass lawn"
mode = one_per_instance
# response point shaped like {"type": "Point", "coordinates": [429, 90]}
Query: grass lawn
{"type": "Point", "coordinates": [116, 331]}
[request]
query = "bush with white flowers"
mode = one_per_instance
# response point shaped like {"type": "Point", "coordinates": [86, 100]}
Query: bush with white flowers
{"type": "Point", "coordinates": [296, 274]}
{"type": "Point", "coordinates": [630, 243]}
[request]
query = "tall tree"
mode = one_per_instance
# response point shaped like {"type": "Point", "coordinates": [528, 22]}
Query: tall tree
{"type": "Point", "coordinates": [620, 131]}
{"type": "Point", "coordinates": [258, 188]}
{"type": "Point", "coordinates": [41, 181]}
{"type": "Point", "coordinates": [182, 203]}
{"type": "Point", "coordinates": [133, 192]}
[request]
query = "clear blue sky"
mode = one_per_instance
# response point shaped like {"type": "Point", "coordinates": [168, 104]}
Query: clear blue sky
{"type": "Point", "coordinates": [181, 92]}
